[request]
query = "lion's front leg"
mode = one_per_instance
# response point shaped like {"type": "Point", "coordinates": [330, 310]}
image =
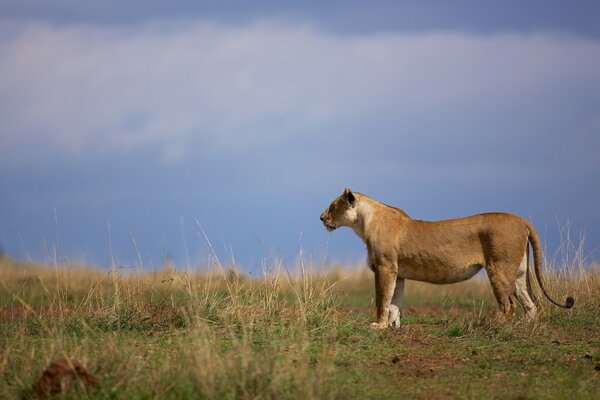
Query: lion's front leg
{"type": "Point", "coordinates": [385, 283]}
{"type": "Point", "coordinates": [395, 312]}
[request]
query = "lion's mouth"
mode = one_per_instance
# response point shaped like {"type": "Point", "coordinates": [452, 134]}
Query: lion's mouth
{"type": "Point", "coordinates": [329, 226]}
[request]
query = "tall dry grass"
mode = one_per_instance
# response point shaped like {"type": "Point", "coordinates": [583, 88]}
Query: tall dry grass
{"type": "Point", "coordinates": [218, 334]}
{"type": "Point", "coordinates": [167, 333]}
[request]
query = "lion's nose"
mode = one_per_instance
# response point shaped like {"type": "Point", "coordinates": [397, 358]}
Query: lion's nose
{"type": "Point", "coordinates": [321, 217]}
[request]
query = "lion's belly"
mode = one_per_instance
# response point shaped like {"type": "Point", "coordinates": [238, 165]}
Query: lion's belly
{"type": "Point", "coordinates": [438, 274]}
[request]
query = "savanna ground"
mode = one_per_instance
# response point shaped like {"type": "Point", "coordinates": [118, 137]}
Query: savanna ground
{"type": "Point", "coordinates": [291, 334]}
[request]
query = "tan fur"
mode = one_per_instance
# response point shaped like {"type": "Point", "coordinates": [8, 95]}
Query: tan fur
{"type": "Point", "coordinates": [437, 252]}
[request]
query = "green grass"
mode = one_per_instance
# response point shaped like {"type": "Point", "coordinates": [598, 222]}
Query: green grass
{"type": "Point", "coordinates": [181, 335]}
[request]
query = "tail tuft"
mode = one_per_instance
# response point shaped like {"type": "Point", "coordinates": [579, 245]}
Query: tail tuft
{"type": "Point", "coordinates": [570, 302]}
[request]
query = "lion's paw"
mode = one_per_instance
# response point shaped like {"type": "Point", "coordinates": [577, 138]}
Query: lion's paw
{"type": "Point", "coordinates": [378, 325]}
{"type": "Point", "coordinates": [394, 316]}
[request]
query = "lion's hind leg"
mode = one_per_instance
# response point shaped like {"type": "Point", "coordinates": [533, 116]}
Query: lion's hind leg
{"type": "Point", "coordinates": [395, 312]}
{"type": "Point", "coordinates": [521, 291]}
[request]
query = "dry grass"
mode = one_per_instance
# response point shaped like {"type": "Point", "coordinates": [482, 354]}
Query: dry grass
{"type": "Point", "coordinates": [218, 334]}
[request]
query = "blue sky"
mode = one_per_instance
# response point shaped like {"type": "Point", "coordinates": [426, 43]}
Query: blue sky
{"type": "Point", "coordinates": [248, 118]}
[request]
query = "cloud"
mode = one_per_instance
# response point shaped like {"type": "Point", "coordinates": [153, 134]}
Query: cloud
{"type": "Point", "coordinates": [71, 92]}
{"type": "Point", "coordinates": [258, 125]}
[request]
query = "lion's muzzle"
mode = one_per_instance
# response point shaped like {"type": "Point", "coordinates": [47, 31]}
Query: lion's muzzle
{"type": "Point", "coordinates": [327, 221]}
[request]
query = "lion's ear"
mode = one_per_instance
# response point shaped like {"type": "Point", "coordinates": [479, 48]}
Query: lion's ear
{"type": "Point", "coordinates": [349, 196]}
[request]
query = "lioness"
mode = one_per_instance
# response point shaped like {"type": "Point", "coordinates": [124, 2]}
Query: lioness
{"type": "Point", "coordinates": [440, 252]}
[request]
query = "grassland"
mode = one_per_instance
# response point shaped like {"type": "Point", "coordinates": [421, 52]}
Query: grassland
{"type": "Point", "coordinates": [290, 335]}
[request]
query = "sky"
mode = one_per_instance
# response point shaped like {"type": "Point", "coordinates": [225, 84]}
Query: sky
{"type": "Point", "coordinates": [134, 131]}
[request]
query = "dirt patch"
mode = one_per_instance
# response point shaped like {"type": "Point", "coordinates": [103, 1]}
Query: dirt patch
{"type": "Point", "coordinates": [420, 366]}
{"type": "Point", "coordinates": [426, 310]}
{"type": "Point", "coordinates": [413, 334]}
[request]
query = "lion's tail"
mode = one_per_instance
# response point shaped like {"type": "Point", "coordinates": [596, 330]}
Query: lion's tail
{"type": "Point", "coordinates": [537, 263]}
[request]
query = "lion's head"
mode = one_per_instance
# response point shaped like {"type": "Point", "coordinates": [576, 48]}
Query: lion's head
{"type": "Point", "coordinates": [341, 211]}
